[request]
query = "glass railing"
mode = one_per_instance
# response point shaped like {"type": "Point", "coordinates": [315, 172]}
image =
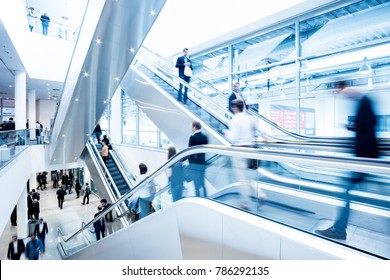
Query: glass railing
{"type": "Point", "coordinates": [306, 200]}
{"type": "Point", "coordinates": [12, 143]}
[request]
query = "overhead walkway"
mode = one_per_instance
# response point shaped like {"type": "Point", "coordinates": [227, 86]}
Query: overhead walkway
{"type": "Point", "coordinates": [290, 216]}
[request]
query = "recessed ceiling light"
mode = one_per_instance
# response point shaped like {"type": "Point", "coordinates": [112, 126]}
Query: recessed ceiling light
{"type": "Point", "coordinates": [132, 50]}
{"type": "Point", "coordinates": [10, 86]}
{"type": "Point", "coordinates": [152, 12]}
{"type": "Point", "coordinates": [86, 74]}
{"type": "Point", "coordinates": [76, 99]}
{"type": "Point", "coordinates": [98, 41]}
{"type": "Point", "coordinates": [116, 79]}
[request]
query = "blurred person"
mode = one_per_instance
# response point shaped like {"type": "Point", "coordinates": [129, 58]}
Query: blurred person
{"type": "Point", "coordinates": [105, 205]}
{"type": "Point", "coordinates": [365, 146]}
{"type": "Point", "coordinates": [14, 217]}
{"type": "Point", "coordinates": [40, 231]}
{"type": "Point", "coordinates": [184, 74]}
{"type": "Point", "coordinates": [31, 18]}
{"type": "Point", "coordinates": [15, 248]}
{"type": "Point", "coordinates": [175, 177]}
{"type": "Point", "coordinates": [99, 225]}
{"type": "Point", "coordinates": [146, 193]}
{"type": "Point", "coordinates": [35, 209]}
{"type": "Point", "coordinates": [78, 188]}
{"type": "Point", "coordinates": [55, 178]}
{"type": "Point", "coordinates": [61, 192]}
{"type": "Point", "coordinates": [45, 20]}
{"type": "Point", "coordinates": [197, 162]}
{"type": "Point", "coordinates": [87, 192]}
{"type": "Point", "coordinates": [236, 94]}
{"type": "Point", "coordinates": [241, 133]}
{"type": "Point", "coordinates": [104, 152]}
{"type": "Point", "coordinates": [38, 130]}
{"type": "Point", "coordinates": [98, 133]}
{"type": "Point", "coordinates": [33, 248]}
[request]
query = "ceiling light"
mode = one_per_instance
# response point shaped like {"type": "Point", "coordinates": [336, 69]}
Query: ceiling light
{"type": "Point", "coordinates": [10, 86]}
{"type": "Point", "coordinates": [152, 12]}
{"type": "Point", "coordinates": [365, 68]}
{"type": "Point", "coordinates": [86, 74]}
{"type": "Point", "coordinates": [132, 50]}
{"type": "Point", "coordinates": [98, 41]}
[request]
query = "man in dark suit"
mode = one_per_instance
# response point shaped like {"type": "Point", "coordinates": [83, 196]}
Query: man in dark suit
{"type": "Point", "coordinates": [99, 225]}
{"type": "Point", "coordinates": [365, 146]}
{"type": "Point", "coordinates": [15, 248]}
{"type": "Point", "coordinates": [236, 94]}
{"type": "Point", "coordinates": [181, 63]}
{"type": "Point", "coordinates": [197, 162]}
{"type": "Point", "coordinates": [61, 196]}
{"type": "Point", "coordinates": [40, 231]}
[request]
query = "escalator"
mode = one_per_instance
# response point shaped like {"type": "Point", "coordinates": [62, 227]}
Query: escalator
{"type": "Point", "coordinates": [113, 179]}
{"type": "Point", "coordinates": [296, 213]}
{"type": "Point", "coordinates": [210, 105]}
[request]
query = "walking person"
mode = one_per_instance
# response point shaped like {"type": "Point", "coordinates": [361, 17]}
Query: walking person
{"type": "Point", "coordinates": [242, 132]}
{"type": "Point", "coordinates": [175, 177]}
{"type": "Point", "coordinates": [61, 192]}
{"type": "Point", "coordinates": [365, 146]}
{"type": "Point", "coordinates": [87, 192]}
{"type": "Point", "coordinates": [197, 162]}
{"type": "Point", "coordinates": [40, 231]}
{"type": "Point", "coordinates": [15, 248]}
{"type": "Point", "coordinates": [184, 65]}
{"type": "Point", "coordinates": [33, 248]}
{"type": "Point", "coordinates": [35, 209]}
{"type": "Point", "coordinates": [78, 188]}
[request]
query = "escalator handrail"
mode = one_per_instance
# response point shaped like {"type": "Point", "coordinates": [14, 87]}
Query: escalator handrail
{"type": "Point", "coordinates": [365, 165]}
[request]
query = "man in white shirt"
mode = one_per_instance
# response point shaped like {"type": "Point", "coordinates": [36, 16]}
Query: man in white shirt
{"type": "Point", "coordinates": [242, 131]}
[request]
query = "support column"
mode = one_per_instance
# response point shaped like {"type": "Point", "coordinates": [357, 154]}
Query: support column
{"type": "Point", "coordinates": [116, 117]}
{"type": "Point", "coordinates": [22, 214]}
{"type": "Point", "coordinates": [20, 100]}
{"type": "Point", "coordinates": [33, 181]}
{"type": "Point", "coordinates": [31, 96]}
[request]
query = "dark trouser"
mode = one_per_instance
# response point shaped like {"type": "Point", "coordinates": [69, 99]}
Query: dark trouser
{"type": "Point", "coordinates": [60, 202]}
{"type": "Point", "coordinates": [187, 79]}
{"type": "Point", "coordinates": [86, 197]}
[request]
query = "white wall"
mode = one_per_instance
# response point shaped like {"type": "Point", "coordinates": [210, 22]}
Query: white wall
{"type": "Point", "coordinates": [134, 155]}
{"type": "Point", "coordinates": [45, 110]}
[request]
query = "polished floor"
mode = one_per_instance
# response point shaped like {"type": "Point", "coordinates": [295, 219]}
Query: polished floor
{"type": "Point", "coordinates": [68, 219]}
